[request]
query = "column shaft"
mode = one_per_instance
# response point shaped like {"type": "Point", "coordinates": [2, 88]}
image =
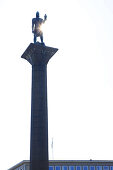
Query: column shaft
{"type": "Point", "coordinates": [39, 119]}
{"type": "Point", "coordinates": [38, 56]}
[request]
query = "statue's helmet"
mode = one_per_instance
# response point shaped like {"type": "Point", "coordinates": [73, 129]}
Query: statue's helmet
{"type": "Point", "coordinates": [37, 14]}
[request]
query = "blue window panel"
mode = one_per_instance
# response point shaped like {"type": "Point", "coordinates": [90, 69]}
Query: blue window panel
{"type": "Point", "coordinates": [50, 167]}
{"type": "Point", "coordinates": [64, 168]}
{"type": "Point", "coordinates": [73, 168]}
{"type": "Point", "coordinates": [92, 168]}
{"type": "Point", "coordinates": [57, 167]}
{"type": "Point", "coordinates": [85, 167]}
{"type": "Point", "coordinates": [98, 167]}
{"type": "Point", "coordinates": [111, 167]}
{"type": "Point", "coordinates": [105, 167]}
{"type": "Point", "coordinates": [78, 167]}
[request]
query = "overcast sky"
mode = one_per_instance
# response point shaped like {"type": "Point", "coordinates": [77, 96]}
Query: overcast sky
{"type": "Point", "coordinates": [80, 79]}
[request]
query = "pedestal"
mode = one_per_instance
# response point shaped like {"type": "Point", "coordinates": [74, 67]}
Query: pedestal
{"type": "Point", "coordinates": [38, 56]}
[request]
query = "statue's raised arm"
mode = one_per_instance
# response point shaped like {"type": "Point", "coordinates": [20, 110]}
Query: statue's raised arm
{"type": "Point", "coordinates": [36, 27]}
{"type": "Point", "coordinates": [45, 17]}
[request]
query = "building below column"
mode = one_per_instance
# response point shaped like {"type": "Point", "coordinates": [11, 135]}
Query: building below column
{"type": "Point", "coordinates": [70, 165]}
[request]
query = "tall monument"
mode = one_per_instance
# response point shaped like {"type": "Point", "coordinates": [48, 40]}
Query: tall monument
{"type": "Point", "coordinates": [38, 55]}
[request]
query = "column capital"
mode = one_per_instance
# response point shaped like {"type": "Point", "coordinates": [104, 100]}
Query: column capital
{"type": "Point", "coordinates": [37, 54]}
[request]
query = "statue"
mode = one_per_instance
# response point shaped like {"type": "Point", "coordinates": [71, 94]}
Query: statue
{"type": "Point", "coordinates": [36, 27]}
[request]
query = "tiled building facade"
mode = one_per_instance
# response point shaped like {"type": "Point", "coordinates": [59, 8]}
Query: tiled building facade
{"type": "Point", "coordinates": [70, 165]}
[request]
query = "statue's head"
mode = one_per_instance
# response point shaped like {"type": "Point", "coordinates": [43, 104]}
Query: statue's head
{"type": "Point", "coordinates": [37, 14]}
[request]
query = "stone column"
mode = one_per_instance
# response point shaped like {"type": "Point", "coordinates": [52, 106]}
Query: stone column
{"type": "Point", "coordinates": [38, 56]}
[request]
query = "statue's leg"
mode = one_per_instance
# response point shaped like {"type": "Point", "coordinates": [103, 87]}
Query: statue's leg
{"type": "Point", "coordinates": [41, 38]}
{"type": "Point", "coordinates": [34, 38]}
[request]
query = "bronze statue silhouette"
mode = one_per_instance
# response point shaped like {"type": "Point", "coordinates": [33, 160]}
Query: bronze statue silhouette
{"type": "Point", "coordinates": [36, 27]}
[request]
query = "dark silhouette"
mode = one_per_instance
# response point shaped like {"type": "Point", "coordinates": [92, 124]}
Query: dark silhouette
{"type": "Point", "coordinates": [36, 27]}
{"type": "Point", "coordinates": [38, 56]}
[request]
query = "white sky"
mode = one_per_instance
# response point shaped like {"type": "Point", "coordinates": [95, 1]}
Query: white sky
{"type": "Point", "coordinates": [80, 78]}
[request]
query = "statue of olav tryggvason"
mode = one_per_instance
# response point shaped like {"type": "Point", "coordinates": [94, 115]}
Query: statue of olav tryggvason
{"type": "Point", "coordinates": [36, 27]}
{"type": "Point", "coordinates": [38, 55]}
